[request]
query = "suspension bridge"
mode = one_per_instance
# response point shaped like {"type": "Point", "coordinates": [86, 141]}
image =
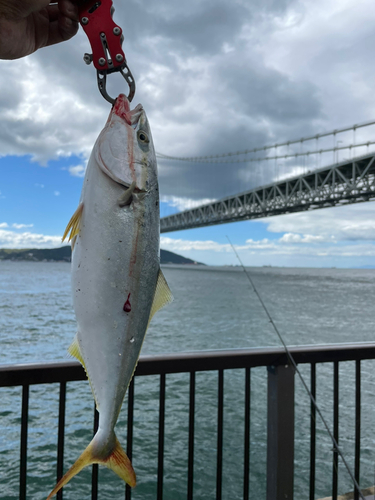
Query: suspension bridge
{"type": "Point", "coordinates": [324, 179]}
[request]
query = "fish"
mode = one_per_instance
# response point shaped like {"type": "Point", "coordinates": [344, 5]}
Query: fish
{"type": "Point", "coordinates": [116, 280]}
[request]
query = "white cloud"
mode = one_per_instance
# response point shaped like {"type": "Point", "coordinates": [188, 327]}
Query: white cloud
{"type": "Point", "coordinates": [56, 193]}
{"type": "Point", "coordinates": [48, 111]}
{"type": "Point", "coordinates": [10, 239]}
{"type": "Point", "coordinates": [182, 203]}
{"type": "Point", "coordinates": [346, 223]}
{"type": "Point", "coordinates": [21, 226]}
{"type": "Point", "coordinates": [298, 238]}
{"type": "Point", "coordinates": [3, 224]}
{"type": "Point", "coordinates": [77, 170]}
{"type": "Point", "coordinates": [180, 245]}
{"type": "Point", "coordinates": [279, 247]}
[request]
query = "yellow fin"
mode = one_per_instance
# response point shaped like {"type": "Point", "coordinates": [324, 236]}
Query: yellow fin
{"type": "Point", "coordinates": [116, 460]}
{"type": "Point", "coordinates": [162, 296]}
{"type": "Point", "coordinates": [119, 462]}
{"type": "Point", "coordinates": [74, 225]}
{"type": "Point", "coordinates": [75, 351]}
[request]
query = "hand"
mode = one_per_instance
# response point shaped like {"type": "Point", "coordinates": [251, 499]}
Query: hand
{"type": "Point", "coordinates": [28, 25]}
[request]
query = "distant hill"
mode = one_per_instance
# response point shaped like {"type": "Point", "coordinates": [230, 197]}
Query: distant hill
{"type": "Point", "coordinates": [37, 254]}
{"type": "Point", "coordinates": [167, 257]}
{"type": "Point", "coordinates": [63, 254]}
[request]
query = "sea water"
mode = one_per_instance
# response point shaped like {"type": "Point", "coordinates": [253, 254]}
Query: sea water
{"type": "Point", "coordinates": [214, 308]}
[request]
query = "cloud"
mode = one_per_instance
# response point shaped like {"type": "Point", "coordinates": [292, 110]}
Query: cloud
{"type": "Point", "coordinates": [212, 77]}
{"type": "Point", "coordinates": [21, 226]}
{"type": "Point", "coordinates": [200, 75]}
{"type": "Point", "coordinates": [182, 203]}
{"type": "Point", "coordinates": [179, 245]}
{"type": "Point", "coordinates": [10, 239]}
{"type": "Point", "coordinates": [77, 170]}
{"type": "Point", "coordinates": [3, 224]}
{"type": "Point", "coordinates": [266, 247]}
{"type": "Point", "coordinates": [56, 193]}
{"type": "Point", "coordinates": [39, 185]}
{"type": "Point", "coordinates": [298, 238]}
{"type": "Point", "coordinates": [346, 223]}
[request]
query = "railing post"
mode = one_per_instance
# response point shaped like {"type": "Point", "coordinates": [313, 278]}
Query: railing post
{"type": "Point", "coordinates": [280, 437]}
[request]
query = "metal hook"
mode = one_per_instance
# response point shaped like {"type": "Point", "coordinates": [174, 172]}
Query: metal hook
{"type": "Point", "coordinates": [102, 80]}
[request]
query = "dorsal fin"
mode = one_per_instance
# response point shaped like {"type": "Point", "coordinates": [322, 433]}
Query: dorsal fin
{"type": "Point", "coordinates": [162, 296]}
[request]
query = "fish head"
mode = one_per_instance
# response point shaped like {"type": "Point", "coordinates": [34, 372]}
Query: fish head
{"type": "Point", "coordinates": [124, 150]}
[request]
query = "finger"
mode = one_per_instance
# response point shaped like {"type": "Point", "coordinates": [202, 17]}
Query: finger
{"type": "Point", "coordinates": [65, 8]}
{"type": "Point", "coordinates": [53, 12]}
{"type": "Point", "coordinates": [69, 9]}
{"type": "Point", "coordinates": [61, 30]}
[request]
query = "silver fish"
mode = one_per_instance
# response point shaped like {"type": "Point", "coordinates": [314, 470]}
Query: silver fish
{"type": "Point", "coordinates": [117, 283]}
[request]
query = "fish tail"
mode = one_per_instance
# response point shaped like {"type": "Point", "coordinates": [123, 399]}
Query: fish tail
{"type": "Point", "coordinates": [116, 460]}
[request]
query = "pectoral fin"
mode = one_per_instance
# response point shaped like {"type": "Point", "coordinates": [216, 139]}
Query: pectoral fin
{"type": "Point", "coordinates": [74, 225]}
{"type": "Point", "coordinates": [126, 198]}
{"type": "Point", "coordinates": [162, 296]}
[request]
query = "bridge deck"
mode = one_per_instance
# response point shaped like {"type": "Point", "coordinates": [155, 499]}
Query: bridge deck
{"type": "Point", "coordinates": [351, 181]}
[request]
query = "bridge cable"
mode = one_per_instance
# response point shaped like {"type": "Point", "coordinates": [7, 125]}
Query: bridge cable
{"type": "Point", "coordinates": [291, 359]}
{"type": "Point", "coordinates": [212, 158]}
{"type": "Point", "coordinates": [287, 143]}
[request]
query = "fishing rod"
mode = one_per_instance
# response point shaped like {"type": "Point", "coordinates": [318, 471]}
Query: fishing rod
{"type": "Point", "coordinates": [294, 364]}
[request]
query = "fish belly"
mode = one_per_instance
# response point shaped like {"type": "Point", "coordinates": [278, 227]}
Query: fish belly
{"type": "Point", "coordinates": [115, 263]}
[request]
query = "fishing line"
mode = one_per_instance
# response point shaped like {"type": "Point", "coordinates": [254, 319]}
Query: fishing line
{"type": "Point", "coordinates": [291, 359]}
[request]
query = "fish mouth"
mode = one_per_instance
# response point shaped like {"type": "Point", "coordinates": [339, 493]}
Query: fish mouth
{"type": "Point", "coordinates": [121, 108]}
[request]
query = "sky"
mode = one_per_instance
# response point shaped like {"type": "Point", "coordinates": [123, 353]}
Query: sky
{"type": "Point", "coordinates": [214, 77]}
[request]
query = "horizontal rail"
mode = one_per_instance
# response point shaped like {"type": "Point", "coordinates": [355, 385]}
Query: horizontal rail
{"type": "Point", "coordinates": [36, 373]}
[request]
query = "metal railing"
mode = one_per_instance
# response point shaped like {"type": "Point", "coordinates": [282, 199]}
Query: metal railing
{"type": "Point", "coordinates": [280, 414]}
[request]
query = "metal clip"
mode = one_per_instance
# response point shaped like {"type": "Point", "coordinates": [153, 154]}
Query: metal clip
{"type": "Point", "coordinates": [106, 42]}
{"type": "Point", "coordinates": [102, 80]}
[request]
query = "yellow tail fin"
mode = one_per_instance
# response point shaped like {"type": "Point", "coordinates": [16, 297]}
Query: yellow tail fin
{"type": "Point", "coordinates": [115, 460]}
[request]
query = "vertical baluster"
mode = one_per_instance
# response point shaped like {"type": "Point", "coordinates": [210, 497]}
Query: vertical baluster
{"type": "Point", "coordinates": [335, 427]}
{"type": "Point", "coordinates": [161, 437]}
{"type": "Point", "coordinates": [312, 432]}
{"type": "Point", "coordinates": [95, 467]}
{"type": "Point", "coordinates": [60, 439]}
{"type": "Point", "coordinates": [129, 440]}
{"type": "Point", "coordinates": [23, 457]}
{"type": "Point", "coordinates": [247, 436]}
{"type": "Point", "coordinates": [280, 432]}
{"type": "Point", "coordinates": [191, 437]}
{"type": "Point", "coordinates": [220, 406]}
{"type": "Point", "coordinates": [357, 424]}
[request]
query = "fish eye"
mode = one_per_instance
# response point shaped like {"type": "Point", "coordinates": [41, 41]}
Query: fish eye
{"type": "Point", "coordinates": [143, 137]}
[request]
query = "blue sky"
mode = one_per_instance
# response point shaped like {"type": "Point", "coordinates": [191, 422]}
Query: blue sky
{"type": "Point", "coordinates": [212, 78]}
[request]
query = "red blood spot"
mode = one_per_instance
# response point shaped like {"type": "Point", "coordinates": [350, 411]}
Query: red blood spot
{"type": "Point", "coordinates": [121, 108]}
{"type": "Point", "coordinates": [127, 305]}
